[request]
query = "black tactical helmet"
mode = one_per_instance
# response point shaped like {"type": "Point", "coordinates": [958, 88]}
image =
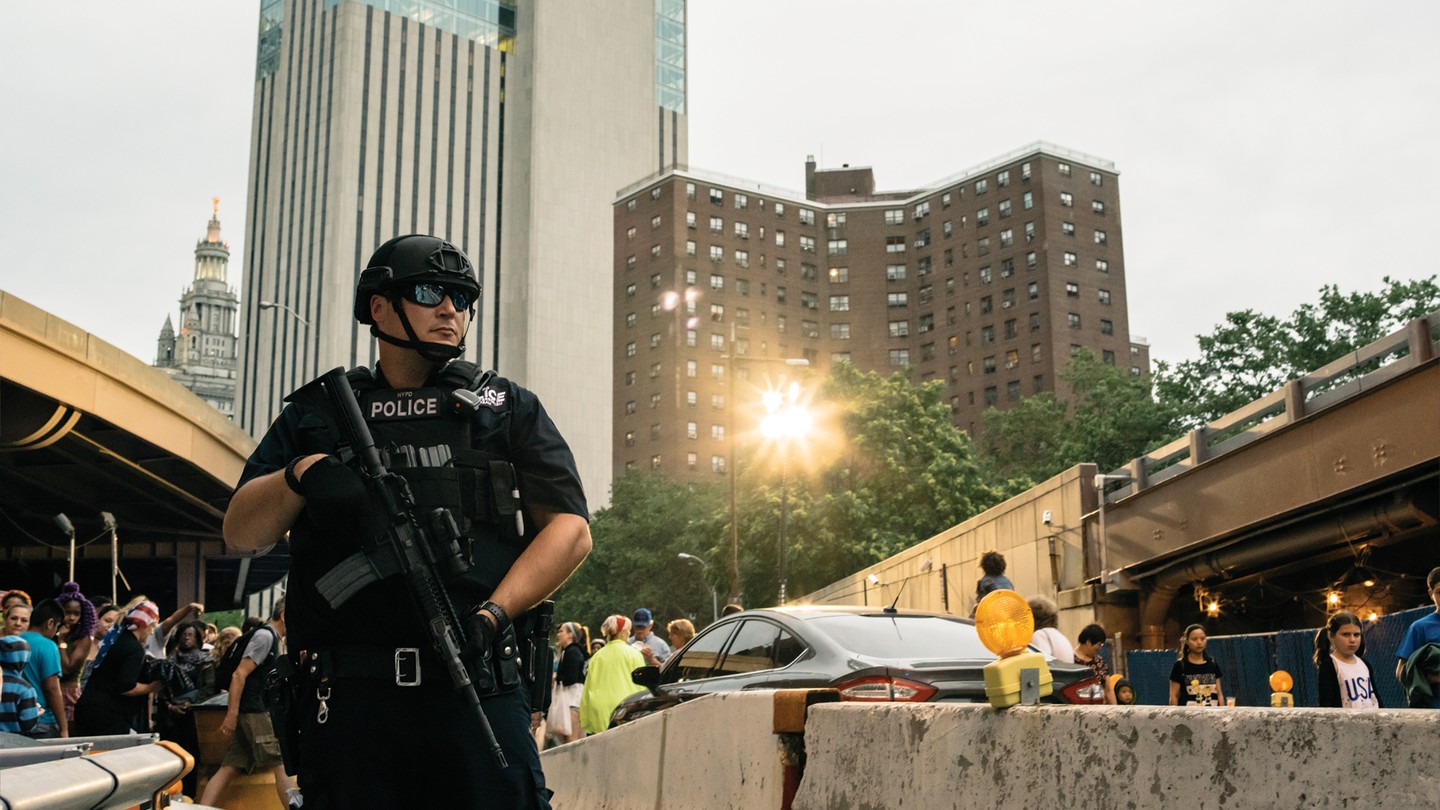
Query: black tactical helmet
{"type": "Point", "coordinates": [411, 258]}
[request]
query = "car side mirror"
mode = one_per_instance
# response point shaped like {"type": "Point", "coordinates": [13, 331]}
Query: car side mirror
{"type": "Point", "coordinates": [648, 677]}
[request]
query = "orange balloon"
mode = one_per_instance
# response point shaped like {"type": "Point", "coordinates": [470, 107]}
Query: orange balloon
{"type": "Point", "coordinates": [1280, 681]}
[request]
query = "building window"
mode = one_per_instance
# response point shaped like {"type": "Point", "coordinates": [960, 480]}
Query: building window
{"type": "Point", "coordinates": [987, 303]}
{"type": "Point", "coordinates": [981, 186]}
{"type": "Point", "coordinates": [926, 323]}
{"type": "Point", "coordinates": [987, 335]}
{"type": "Point", "coordinates": [1024, 171]}
{"type": "Point", "coordinates": [630, 232]}
{"type": "Point", "coordinates": [717, 225]}
{"type": "Point", "coordinates": [922, 238]}
{"type": "Point", "coordinates": [982, 217]}
{"type": "Point", "coordinates": [654, 222]}
{"type": "Point", "coordinates": [839, 331]}
{"type": "Point", "coordinates": [1007, 238]}
{"type": "Point", "coordinates": [894, 272]}
{"type": "Point", "coordinates": [1030, 260]}
{"type": "Point", "coordinates": [629, 438]}
{"type": "Point", "coordinates": [742, 258]}
{"type": "Point", "coordinates": [780, 210]}
{"type": "Point", "coordinates": [741, 201]}
{"type": "Point", "coordinates": [655, 462]}
{"type": "Point", "coordinates": [717, 432]}
{"type": "Point", "coordinates": [807, 217]}
{"type": "Point", "coordinates": [926, 293]}
{"type": "Point", "coordinates": [1034, 322]}
{"type": "Point", "coordinates": [1007, 268]}
{"type": "Point", "coordinates": [1098, 207]}
{"type": "Point", "coordinates": [630, 204]}
{"type": "Point", "coordinates": [630, 349]}
{"type": "Point", "coordinates": [1099, 237]}
{"type": "Point", "coordinates": [1067, 199]}
{"type": "Point", "coordinates": [742, 230]}
{"type": "Point", "coordinates": [837, 247]}
{"type": "Point", "coordinates": [655, 370]}
{"type": "Point", "coordinates": [1034, 352]}
{"type": "Point", "coordinates": [1071, 260]}
{"type": "Point", "coordinates": [692, 430]}
{"type": "Point", "coordinates": [1027, 200]}
{"type": "Point", "coordinates": [897, 299]}
{"type": "Point", "coordinates": [655, 340]}
{"type": "Point", "coordinates": [717, 282]}
{"type": "Point", "coordinates": [894, 216]}
{"type": "Point", "coordinates": [1007, 298]}
{"type": "Point", "coordinates": [1074, 319]}
{"type": "Point", "coordinates": [1033, 290]}
{"type": "Point", "coordinates": [1107, 357]}
{"type": "Point", "coordinates": [982, 247]}
{"type": "Point", "coordinates": [630, 407]}
{"type": "Point", "coordinates": [717, 402]}
{"type": "Point", "coordinates": [899, 329]}
{"type": "Point", "coordinates": [807, 244]}
{"type": "Point", "coordinates": [1072, 289]}
{"type": "Point", "coordinates": [809, 272]}
{"type": "Point", "coordinates": [717, 253]}
{"type": "Point", "coordinates": [629, 378]}
{"type": "Point", "coordinates": [992, 396]}
{"type": "Point", "coordinates": [689, 191]}
{"type": "Point", "coordinates": [780, 239]}
{"type": "Point", "coordinates": [1095, 179]}
{"type": "Point", "coordinates": [922, 210]}
{"type": "Point", "coordinates": [1012, 359]}
{"type": "Point", "coordinates": [717, 312]}
{"type": "Point", "coordinates": [717, 342]}
{"type": "Point", "coordinates": [835, 220]}
{"type": "Point", "coordinates": [839, 303]}
{"type": "Point", "coordinates": [781, 323]}
{"type": "Point", "coordinates": [839, 275]}
{"type": "Point", "coordinates": [1102, 266]}
{"type": "Point", "coordinates": [810, 329]}
{"type": "Point", "coordinates": [1104, 297]}
{"type": "Point", "coordinates": [809, 300]}
{"type": "Point", "coordinates": [894, 244]}
{"type": "Point", "coordinates": [988, 364]}
{"type": "Point", "coordinates": [1002, 179]}
{"type": "Point", "coordinates": [717, 196]}
{"type": "Point", "coordinates": [691, 461]}
{"type": "Point", "coordinates": [717, 464]}
{"type": "Point", "coordinates": [1012, 390]}
{"type": "Point", "coordinates": [946, 228]}
{"type": "Point", "coordinates": [779, 295]}
{"type": "Point", "coordinates": [1107, 327]}
{"type": "Point", "coordinates": [1029, 232]}
{"type": "Point", "coordinates": [691, 338]}
{"type": "Point", "coordinates": [1064, 169]}
{"type": "Point", "coordinates": [690, 248]}
{"type": "Point", "coordinates": [1067, 228]}
{"type": "Point", "coordinates": [630, 319]}
{"type": "Point", "coordinates": [1004, 208]}
{"type": "Point", "coordinates": [899, 357]}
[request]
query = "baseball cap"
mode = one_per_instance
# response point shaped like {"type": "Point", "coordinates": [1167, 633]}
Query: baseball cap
{"type": "Point", "coordinates": [643, 618]}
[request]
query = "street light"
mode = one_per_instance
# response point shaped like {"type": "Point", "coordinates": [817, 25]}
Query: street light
{"type": "Point", "coordinates": [293, 313]}
{"type": "Point", "coordinates": [732, 463]}
{"type": "Point", "coordinates": [786, 420]}
{"type": "Point", "coordinates": [714, 595]}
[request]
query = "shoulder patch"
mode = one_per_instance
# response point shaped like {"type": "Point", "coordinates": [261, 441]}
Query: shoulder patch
{"type": "Point", "coordinates": [492, 398]}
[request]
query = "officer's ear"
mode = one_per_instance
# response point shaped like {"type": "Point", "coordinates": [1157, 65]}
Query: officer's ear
{"type": "Point", "coordinates": [378, 305]}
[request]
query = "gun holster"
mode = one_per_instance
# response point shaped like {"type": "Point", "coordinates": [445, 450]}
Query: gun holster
{"type": "Point", "coordinates": [284, 692]}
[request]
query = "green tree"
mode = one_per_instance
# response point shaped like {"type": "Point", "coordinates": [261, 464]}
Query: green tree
{"type": "Point", "coordinates": [1112, 416]}
{"type": "Point", "coordinates": [1251, 354]}
{"type": "Point", "coordinates": [635, 559]}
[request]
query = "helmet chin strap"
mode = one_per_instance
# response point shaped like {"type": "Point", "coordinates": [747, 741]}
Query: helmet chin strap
{"type": "Point", "coordinates": [432, 351]}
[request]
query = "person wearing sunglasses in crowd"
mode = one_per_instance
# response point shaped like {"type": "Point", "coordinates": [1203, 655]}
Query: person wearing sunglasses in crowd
{"type": "Point", "coordinates": [463, 439]}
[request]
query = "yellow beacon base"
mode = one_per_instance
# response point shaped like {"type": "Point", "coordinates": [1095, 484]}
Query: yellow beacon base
{"type": "Point", "coordinates": [1002, 678]}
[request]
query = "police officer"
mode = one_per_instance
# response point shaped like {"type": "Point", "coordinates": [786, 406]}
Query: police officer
{"type": "Point", "coordinates": [379, 722]}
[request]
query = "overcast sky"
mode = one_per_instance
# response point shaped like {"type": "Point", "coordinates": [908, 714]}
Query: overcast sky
{"type": "Point", "coordinates": [1264, 149]}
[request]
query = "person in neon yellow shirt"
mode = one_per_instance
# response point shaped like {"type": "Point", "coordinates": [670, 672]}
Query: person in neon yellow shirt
{"type": "Point", "coordinates": [608, 680]}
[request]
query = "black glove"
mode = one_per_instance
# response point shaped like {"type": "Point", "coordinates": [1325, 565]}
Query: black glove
{"type": "Point", "coordinates": [480, 636]}
{"type": "Point", "coordinates": [337, 501]}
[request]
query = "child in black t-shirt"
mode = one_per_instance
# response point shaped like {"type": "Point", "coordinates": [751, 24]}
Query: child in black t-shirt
{"type": "Point", "coordinates": [1195, 678]}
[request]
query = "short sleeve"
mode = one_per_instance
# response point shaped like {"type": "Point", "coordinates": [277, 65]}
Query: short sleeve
{"type": "Point", "coordinates": [543, 459]}
{"type": "Point", "coordinates": [259, 647]}
{"type": "Point", "coordinates": [1177, 673]}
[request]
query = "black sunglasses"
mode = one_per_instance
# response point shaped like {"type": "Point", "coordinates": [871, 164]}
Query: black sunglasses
{"type": "Point", "coordinates": [430, 295]}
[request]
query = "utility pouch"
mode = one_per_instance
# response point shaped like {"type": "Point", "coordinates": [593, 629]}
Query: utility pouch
{"type": "Point", "coordinates": [495, 671]}
{"type": "Point", "coordinates": [283, 695]}
{"type": "Point", "coordinates": [537, 656]}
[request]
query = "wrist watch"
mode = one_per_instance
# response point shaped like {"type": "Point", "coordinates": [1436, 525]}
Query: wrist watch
{"type": "Point", "coordinates": [290, 479]}
{"type": "Point", "coordinates": [502, 619]}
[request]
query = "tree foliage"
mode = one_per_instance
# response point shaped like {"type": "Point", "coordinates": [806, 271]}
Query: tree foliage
{"type": "Point", "coordinates": [1112, 417]}
{"type": "Point", "coordinates": [635, 559]}
{"type": "Point", "coordinates": [1251, 354]}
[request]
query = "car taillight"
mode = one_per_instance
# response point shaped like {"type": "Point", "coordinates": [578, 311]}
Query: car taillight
{"type": "Point", "coordinates": [1088, 690]}
{"type": "Point", "coordinates": [878, 688]}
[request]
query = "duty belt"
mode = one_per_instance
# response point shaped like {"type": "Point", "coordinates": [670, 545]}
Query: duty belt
{"type": "Point", "coordinates": [402, 666]}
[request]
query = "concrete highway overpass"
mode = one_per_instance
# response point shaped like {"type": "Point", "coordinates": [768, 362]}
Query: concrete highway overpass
{"type": "Point", "coordinates": [86, 428]}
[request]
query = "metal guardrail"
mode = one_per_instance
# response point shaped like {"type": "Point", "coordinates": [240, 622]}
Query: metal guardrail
{"type": "Point", "coordinates": [130, 770]}
{"type": "Point", "coordinates": [1349, 376]}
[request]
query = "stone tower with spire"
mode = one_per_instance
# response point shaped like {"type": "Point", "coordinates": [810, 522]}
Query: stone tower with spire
{"type": "Point", "coordinates": [201, 356]}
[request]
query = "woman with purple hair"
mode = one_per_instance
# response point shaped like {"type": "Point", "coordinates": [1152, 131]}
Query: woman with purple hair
{"type": "Point", "coordinates": [76, 640]}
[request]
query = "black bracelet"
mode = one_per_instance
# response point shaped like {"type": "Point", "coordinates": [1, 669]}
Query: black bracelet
{"type": "Point", "coordinates": [290, 479]}
{"type": "Point", "coordinates": [502, 619]}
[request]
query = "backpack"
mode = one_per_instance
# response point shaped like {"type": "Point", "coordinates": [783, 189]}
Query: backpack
{"type": "Point", "coordinates": [230, 661]}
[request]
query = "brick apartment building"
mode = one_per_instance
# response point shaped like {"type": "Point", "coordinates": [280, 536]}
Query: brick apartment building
{"type": "Point", "coordinates": [986, 280]}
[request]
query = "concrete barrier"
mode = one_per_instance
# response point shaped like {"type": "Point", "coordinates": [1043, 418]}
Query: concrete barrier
{"type": "Point", "coordinates": [712, 752]}
{"type": "Point", "coordinates": [968, 756]}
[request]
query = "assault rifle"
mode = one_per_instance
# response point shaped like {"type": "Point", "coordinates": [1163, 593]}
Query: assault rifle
{"type": "Point", "coordinates": [408, 547]}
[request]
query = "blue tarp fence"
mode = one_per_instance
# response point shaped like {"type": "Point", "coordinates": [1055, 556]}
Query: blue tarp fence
{"type": "Point", "coordinates": [1247, 661]}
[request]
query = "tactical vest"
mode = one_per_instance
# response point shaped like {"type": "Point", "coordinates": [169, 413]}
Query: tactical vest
{"type": "Point", "coordinates": [450, 442]}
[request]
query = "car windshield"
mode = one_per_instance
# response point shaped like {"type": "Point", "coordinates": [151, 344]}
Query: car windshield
{"type": "Point", "coordinates": [903, 638]}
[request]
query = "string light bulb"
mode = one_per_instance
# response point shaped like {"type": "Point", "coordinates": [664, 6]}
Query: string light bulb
{"type": "Point", "coordinates": [1213, 609]}
{"type": "Point", "coordinates": [1369, 583]}
{"type": "Point", "coordinates": [1334, 598]}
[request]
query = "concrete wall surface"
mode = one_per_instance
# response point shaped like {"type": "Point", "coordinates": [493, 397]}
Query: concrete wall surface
{"type": "Point", "coordinates": [712, 752]}
{"type": "Point", "coordinates": [968, 756]}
